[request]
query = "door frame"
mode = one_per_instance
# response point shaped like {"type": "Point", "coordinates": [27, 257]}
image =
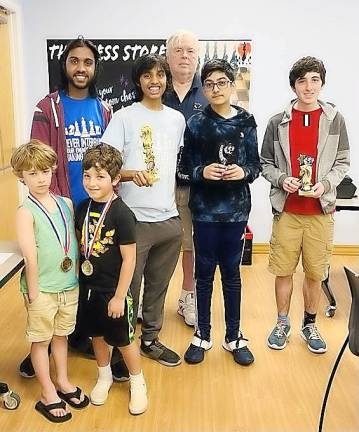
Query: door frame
{"type": "Point", "coordinates": [16, 49]}
{"type": "Point", "coordinates": [14, 20]}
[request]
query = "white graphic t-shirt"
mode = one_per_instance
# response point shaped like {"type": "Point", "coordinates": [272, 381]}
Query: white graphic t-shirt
{"type": "Point", "coordinates": [126, 133]}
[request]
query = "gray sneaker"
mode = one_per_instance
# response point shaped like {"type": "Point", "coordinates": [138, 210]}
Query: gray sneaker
{"type": "Point", "coordinates": [314, 341]}
{"type": "Point", "coordinates": [279, 337]}
{"type": "Point", "coordinates": [157, 351]}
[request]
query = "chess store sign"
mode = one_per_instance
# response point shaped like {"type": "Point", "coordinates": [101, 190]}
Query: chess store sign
{"type": "Point", "coordinates": [118, 55]}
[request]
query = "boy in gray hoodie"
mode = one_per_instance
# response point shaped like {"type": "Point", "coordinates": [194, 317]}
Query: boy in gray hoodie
{"type": "Point", "coordinates": [305, 155]}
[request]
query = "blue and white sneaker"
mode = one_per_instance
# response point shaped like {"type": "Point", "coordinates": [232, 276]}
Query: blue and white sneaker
{"type": "Point", "coordinates": [279, 336]}
{"type": "Point", "coordinates": [240, 351]}
{"type": "Point", "coordinates": [314, 341]}
{"type": "Point", "coordinates": [195, 352]}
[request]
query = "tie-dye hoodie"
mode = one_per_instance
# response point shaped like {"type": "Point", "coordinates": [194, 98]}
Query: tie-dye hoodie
{"type": "Point", "coordinates": [210, 138]}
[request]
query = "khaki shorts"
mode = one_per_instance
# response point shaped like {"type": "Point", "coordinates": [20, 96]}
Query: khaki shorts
{"type": "Point", "coordinates": [311, 236]}
{"type": "Point", "coordinates": [182, 197]}
{"type": "Point", "coordinates": [51, 314]}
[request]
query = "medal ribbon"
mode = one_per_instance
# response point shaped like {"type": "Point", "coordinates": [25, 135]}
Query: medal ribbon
{"type": "Point", "coordinates": [89, 244]}
{"type": "Point", "coordinates": [65, 245]}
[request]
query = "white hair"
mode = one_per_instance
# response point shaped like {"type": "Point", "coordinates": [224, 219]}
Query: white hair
{"type": "Point", "coordinates": [179, 34]}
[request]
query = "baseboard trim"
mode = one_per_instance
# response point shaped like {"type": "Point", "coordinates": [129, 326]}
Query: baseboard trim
{"type": "Point", "coordinates": [260, 248]}
{"type": "Point", "coordinates": [349, 250]}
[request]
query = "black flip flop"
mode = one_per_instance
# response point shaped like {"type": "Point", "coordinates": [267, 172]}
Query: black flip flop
{"type": "Point", "coordinates": [45, 411]}
{"type": "Point", "coordinates": [74, 395]}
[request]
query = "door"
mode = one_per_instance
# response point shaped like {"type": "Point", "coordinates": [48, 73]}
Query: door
{"type": "Point", "coordinates": [8, 183]}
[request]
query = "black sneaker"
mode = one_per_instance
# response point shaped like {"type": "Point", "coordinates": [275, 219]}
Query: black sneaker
{"type": "Point", "coordinates": [241, 353]}
{"type": "Point", "coordinates": [120, 372]}
{"type": "Point", "coordinates": [195, 352]}
{"type": "Point", "coordinates": [26, 368]}
{"type": "Point", "coordinates": [84, 347]}
{"type": "Point", "coordinates": [159, 352]}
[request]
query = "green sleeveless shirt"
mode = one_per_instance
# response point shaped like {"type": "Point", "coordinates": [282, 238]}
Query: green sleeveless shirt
{"type": "Point", "coordinates": [49, 251]}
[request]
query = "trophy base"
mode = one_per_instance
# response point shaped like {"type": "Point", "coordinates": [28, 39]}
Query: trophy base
{"type": "Point", "coordinates": [153, 179]}
{"type": "Point", "coordinates": [308, 193]}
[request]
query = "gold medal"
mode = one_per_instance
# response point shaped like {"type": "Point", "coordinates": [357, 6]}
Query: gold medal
{"type": "Point", "coordinates": [66, 264]}
{"type": "Point", "coordinates": [87, 268]}
{"type": "Point", "coordinates": [88, 244]}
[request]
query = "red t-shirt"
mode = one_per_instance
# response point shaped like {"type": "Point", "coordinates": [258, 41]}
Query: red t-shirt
{"type": "Point", "coordinates": [303, 139]}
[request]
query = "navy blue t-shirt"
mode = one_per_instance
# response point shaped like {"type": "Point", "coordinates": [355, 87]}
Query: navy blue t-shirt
{"type": "Point", "coordinates": [193, 102]}
{"type": "Point", "coordinates": [84, 127]}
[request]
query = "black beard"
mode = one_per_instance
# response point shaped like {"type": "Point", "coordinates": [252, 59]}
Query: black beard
{"type": "Point", "coordinates": [81, 86]}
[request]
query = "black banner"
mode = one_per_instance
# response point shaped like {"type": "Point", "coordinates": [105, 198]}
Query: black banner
{"type": "Point", "coordinates": [117, 56]}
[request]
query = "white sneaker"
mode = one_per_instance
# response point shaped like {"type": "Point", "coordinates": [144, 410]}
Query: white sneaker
{"type": "Point", "coordinates": [99, 393]}
{"type": "Point", "coordinates": [138, 396]}
{"type": "Point", "coordinates": [139, 313]}
{"type": "Point", "coordinates": [186, 309]}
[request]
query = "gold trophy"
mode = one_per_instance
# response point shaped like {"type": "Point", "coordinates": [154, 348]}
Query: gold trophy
{"type": "Point", "coordinates": [147, 141]}
{"type": "Point", "coordinates": [305, 175]}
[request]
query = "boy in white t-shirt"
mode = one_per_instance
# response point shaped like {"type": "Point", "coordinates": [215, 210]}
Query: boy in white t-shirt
{"type": "Point", "coordinates": [149, 135]}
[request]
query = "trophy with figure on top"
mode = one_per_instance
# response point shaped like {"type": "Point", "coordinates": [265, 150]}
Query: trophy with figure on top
{"type": "Point", "coordinates": [147, 142]}
{"type": "Point", "coordinates": [226, 153]}
{"type": "Point", "coordinates": [305, 175]}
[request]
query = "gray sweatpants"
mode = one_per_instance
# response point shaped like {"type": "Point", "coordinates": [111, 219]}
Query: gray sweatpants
{"type": "Point", "coordinates": [158, 248]}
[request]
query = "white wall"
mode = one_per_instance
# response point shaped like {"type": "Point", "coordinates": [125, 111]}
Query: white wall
{"type": "Point", "coordinates": [282, 31]}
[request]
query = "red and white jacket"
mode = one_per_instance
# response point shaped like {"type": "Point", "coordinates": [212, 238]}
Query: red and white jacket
{"type": "Point", "coordinates": [48, 126]}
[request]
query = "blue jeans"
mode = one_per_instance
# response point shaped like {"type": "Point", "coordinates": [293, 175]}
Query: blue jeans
{"type": "Point", "coordinates": [218, 243]}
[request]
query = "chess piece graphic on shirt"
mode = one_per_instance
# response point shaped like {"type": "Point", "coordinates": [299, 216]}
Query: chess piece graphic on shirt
{"type": "Point", "coordinates": [85, 133]}
{"type": "Point", "coordinates": [147, 142]}
{"type": "Point", "coordinates": [77, 132]}
{"type": "Point", "coordinates": [92, 128]}
{"type": "Point", "coordinates": [305, 175]}
{"type": "Point", "coordinates": [70, 130]}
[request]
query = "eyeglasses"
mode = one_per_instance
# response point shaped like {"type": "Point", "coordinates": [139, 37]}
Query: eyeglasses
{"type": "Point", "coordinates": [221, 84]}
